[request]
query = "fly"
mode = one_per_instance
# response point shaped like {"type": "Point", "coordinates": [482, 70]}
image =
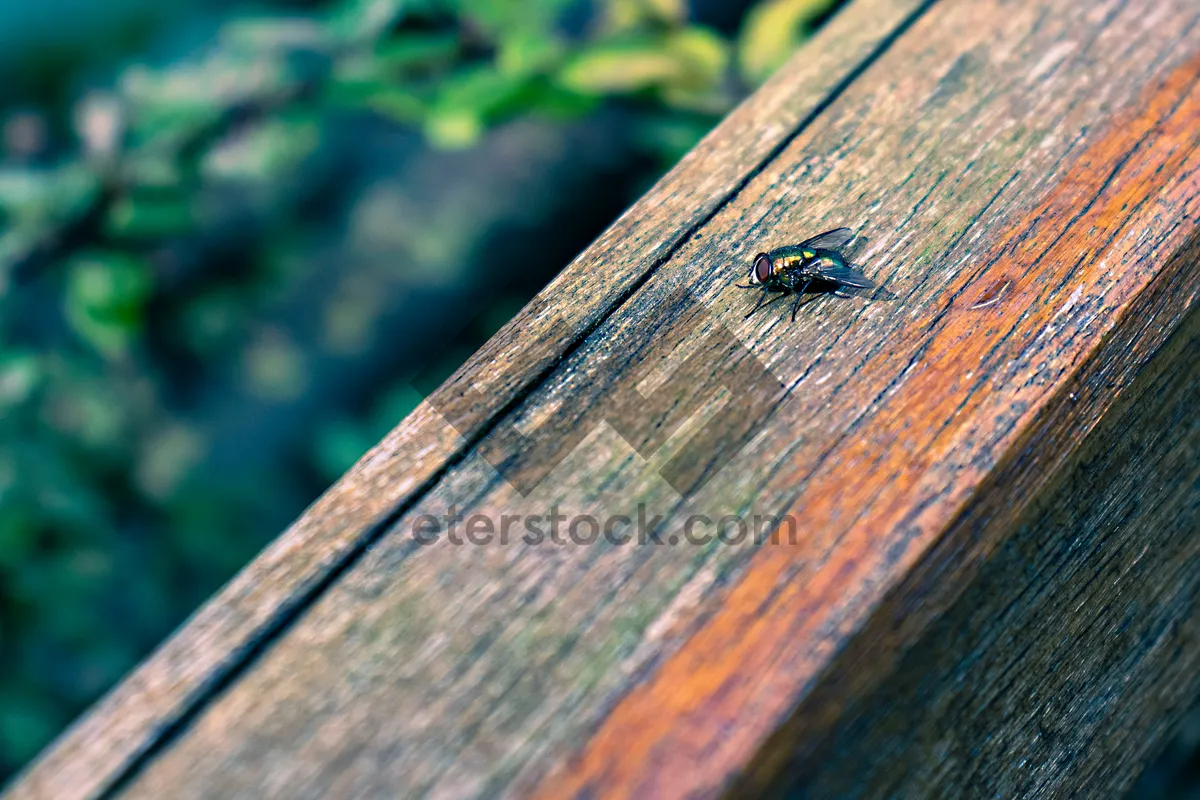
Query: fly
{"type": "Point", "coordinates": [814, 265]}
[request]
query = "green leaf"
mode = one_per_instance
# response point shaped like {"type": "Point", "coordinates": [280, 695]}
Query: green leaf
{"type": "Point", "coordinates": [704, 52]}
{"type": "Point", "coordinates": [397, 104]}
{"type": "Point", "coordinates": [453, 129]}
{"type": "Point", "coordinates": [622, 68]}
{"type": "Point", "coordinates": [359, 81]}
{"type": "Point", "coordinates": [356, 20]}
{"type": "Point", "coordinates": [411, 51]}
{"type": "Point", "coordinates": [108, 281]}
{"type": "Point", "coordinates": [471, 99]}
{"type": "Point", "coordinates": [150, 216]}
{"type": "Point", "coordinates": [260, 153]}
{"type": "Point", "coordinates": [166, 112]}
{"type": "Point", "coordinates": [624, 15]}
{"type": "Point", "coordinates": [707, 58]}
{"type": "Point", "coordinates": [558, 103]}
{"type": "Point", "coordinates": [16, 245]}
{"type": "Point", "coordinates": [104, 299]}
{"type": "Point", "coordinates": [500, 18]}
{"type": "Point", "coordinates": [481, 90]}
{"type": "Point", "coordinates": [34, 196]}
{"type": "Point", "coordinates": [525, 53]}
{"type": "Point", "coordinates": [693, 59]}
{"type": "Point", "coordinates": [772, 30]}
{"type": "Point", "coordinates": [168, 109]}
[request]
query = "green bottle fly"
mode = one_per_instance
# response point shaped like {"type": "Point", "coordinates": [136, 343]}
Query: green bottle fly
{"type": "Point", "coordinates": [815, 265]}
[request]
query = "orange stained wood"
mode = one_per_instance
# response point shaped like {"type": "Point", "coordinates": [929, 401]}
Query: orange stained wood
{"type": "Point", "coordinates": [701, 718]}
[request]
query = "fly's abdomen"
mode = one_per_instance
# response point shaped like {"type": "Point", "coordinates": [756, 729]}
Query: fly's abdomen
{"type": "Point", "coordinates": [828, 260]}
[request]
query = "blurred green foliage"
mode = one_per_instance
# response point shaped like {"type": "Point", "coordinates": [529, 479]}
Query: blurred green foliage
{"type": "Point", "coordinates": [116, 289]}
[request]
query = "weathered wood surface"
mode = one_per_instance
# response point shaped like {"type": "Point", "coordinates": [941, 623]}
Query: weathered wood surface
{"type": "Point", "coordinates": [1028, 174]}
{"type": "Point", "coordinates": [1070, 654]}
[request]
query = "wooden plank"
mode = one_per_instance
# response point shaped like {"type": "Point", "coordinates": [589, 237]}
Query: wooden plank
{"type": "Point", "coordinates": [976, 149]}
{"type": "Point", "coordinates": [124, 726]}
{"type": "Point", "coordinates": [1075, 649]}
{"type": "Point", "coordinates": [966, 399]}
{"type": "Point", "coordinates": [1030, 178]}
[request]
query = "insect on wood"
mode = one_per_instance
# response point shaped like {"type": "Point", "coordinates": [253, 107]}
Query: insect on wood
{"type": "Point", "coordinates": [814, 266]}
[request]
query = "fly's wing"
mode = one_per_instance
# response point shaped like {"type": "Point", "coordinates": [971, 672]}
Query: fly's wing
{"type": "Point", "coordinates": [847, 276]}
{"type": "Point", "coordinates": [829, 240]}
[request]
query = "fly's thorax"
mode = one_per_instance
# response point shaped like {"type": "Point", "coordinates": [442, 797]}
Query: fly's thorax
{"type": "Point", "coordinates": [793, 260]}
{"type": "Point", "coordinates": [788, 262]}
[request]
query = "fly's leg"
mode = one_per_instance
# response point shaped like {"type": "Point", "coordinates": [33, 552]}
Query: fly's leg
{"type": "Point", "coordinates": [772, 300]}
{"type": "Point", "coordinates": [799, 299]}
{"type": "Point", "coordinates": [758, 305]}
{"type": "Point", "coordinates": [761, 304]}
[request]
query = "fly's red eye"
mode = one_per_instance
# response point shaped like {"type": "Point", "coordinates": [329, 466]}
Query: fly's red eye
{"type": "Point", "coordinates": [762, 267]}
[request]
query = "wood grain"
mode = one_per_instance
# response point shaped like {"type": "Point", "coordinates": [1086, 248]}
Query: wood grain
{"type": "Point", "coordinates": [124, 726]}
{"type": "Point", "coordinates": [1073, 651]}
{"type": "Point", "coordinates": [979, 384]}
{"type": "Point", "coordinates": [1029, 178]}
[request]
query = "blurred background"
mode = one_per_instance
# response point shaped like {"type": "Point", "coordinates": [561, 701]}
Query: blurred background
{"type": "Point", "coordinates": [239, 242]}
